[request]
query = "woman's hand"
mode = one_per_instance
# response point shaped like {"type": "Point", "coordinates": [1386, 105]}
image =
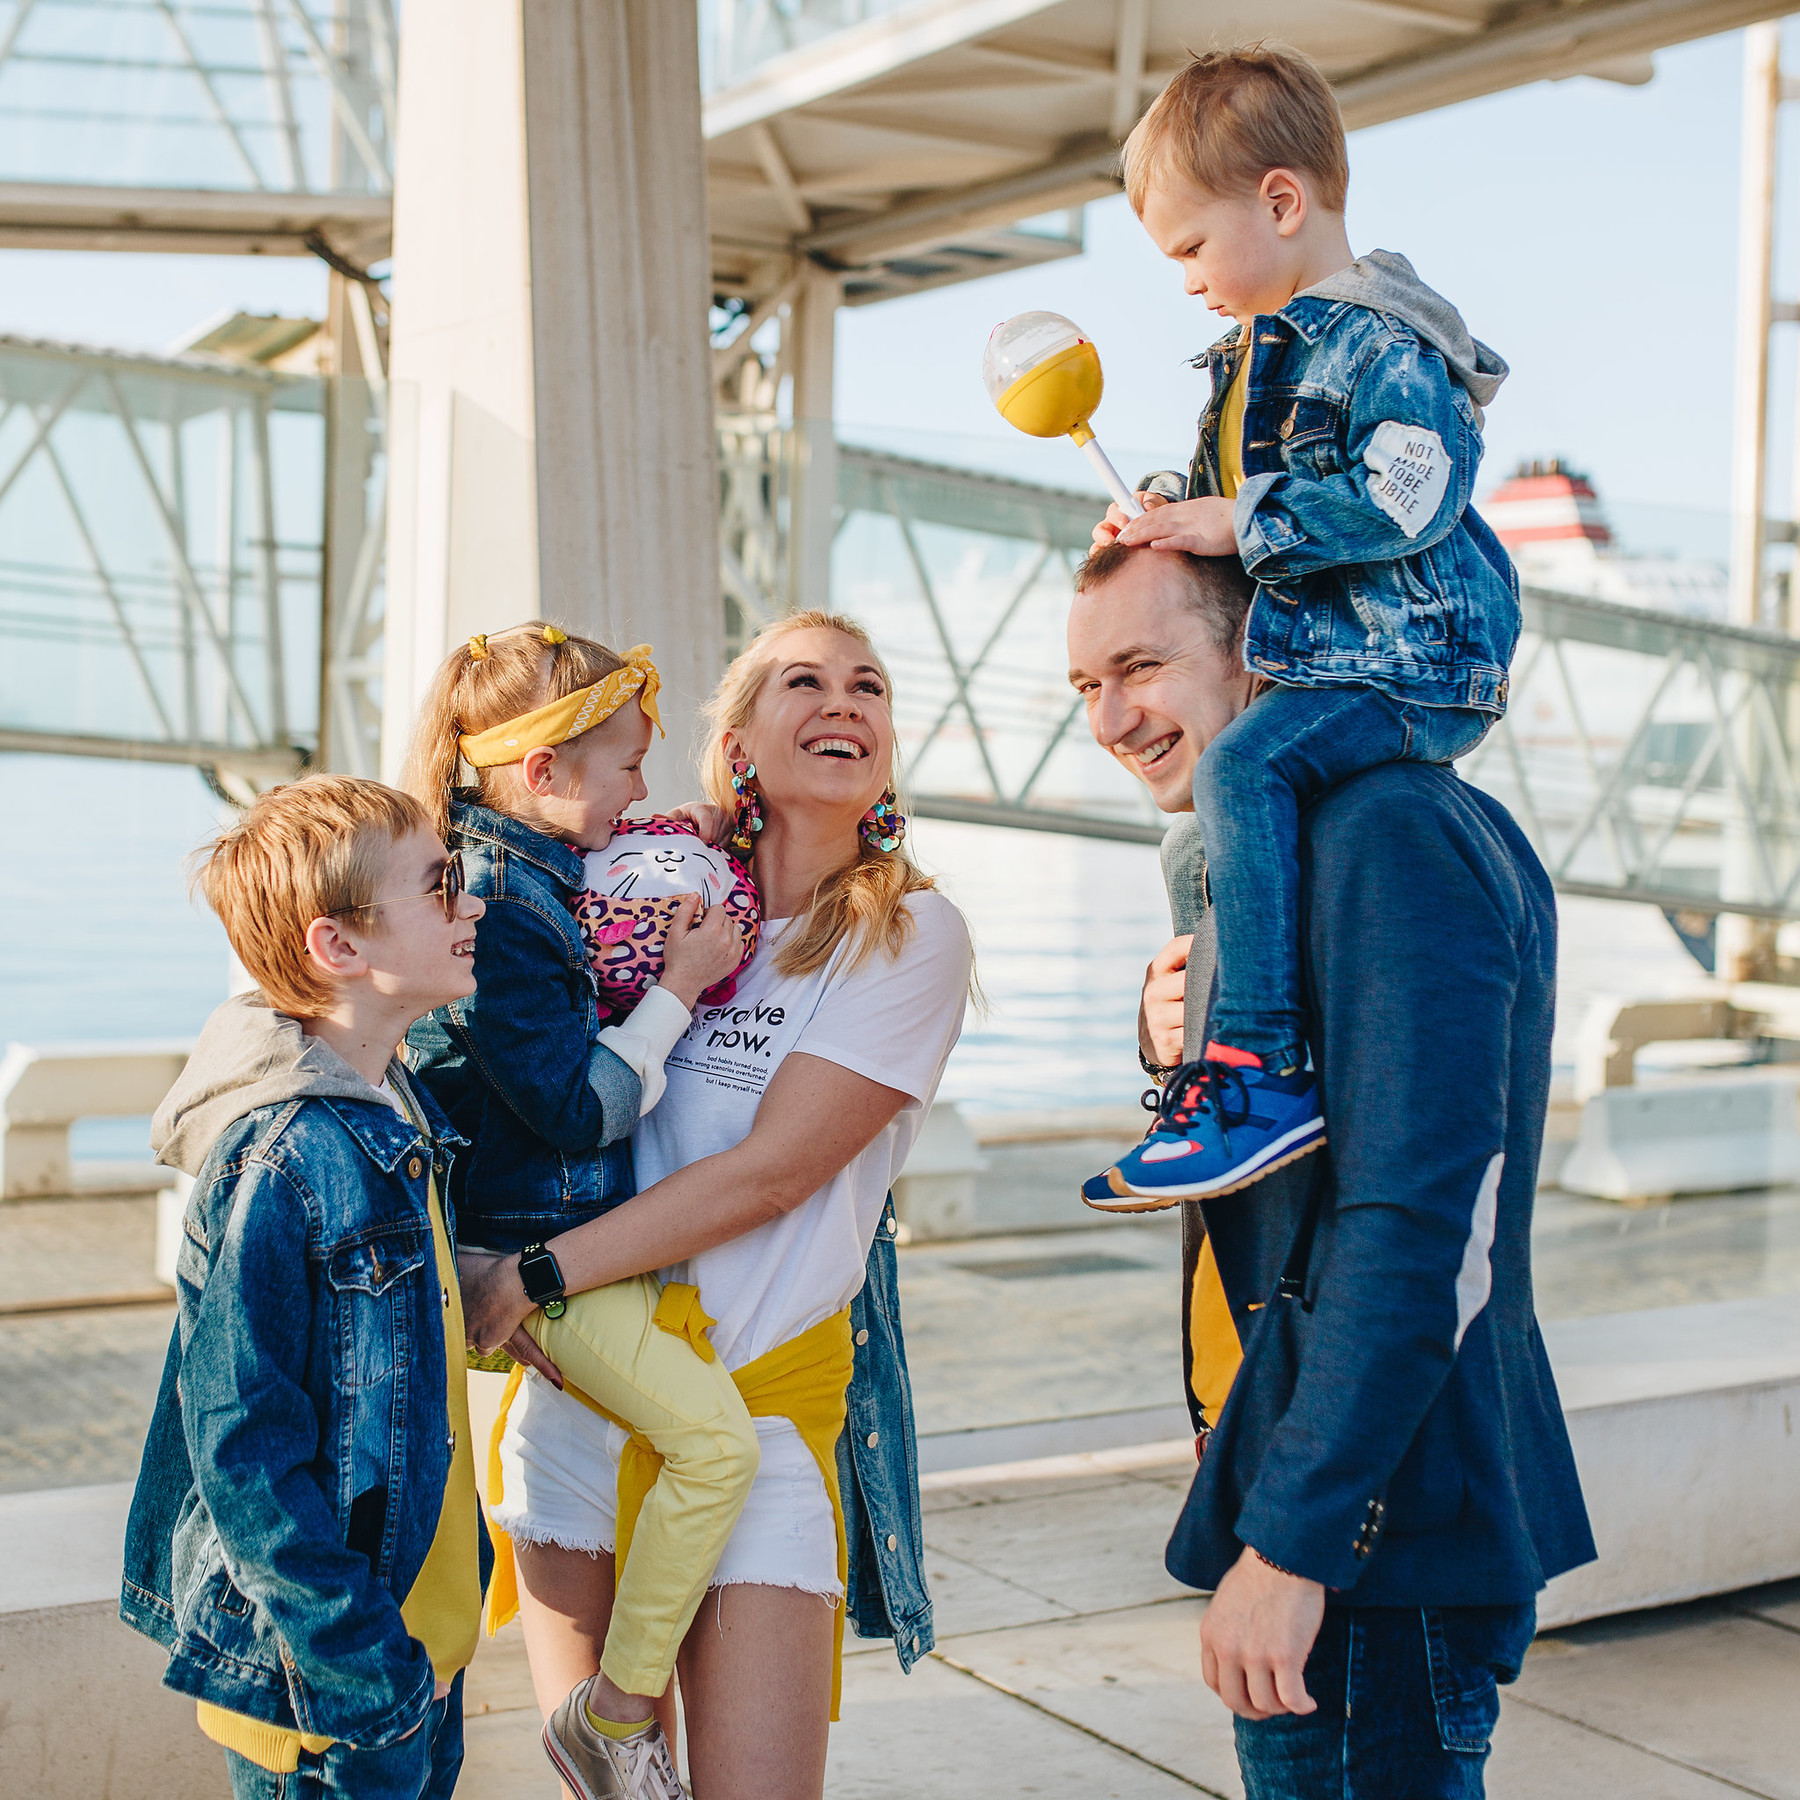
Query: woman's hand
{"type": "Point", "coordinates": [495, 1308]}
{"type": "Point", "coordinates": [698, 953]}
{"type": "Point", "coordinates": [712, 822]}
{"type": "Point", "coordinates": [1108, 529]}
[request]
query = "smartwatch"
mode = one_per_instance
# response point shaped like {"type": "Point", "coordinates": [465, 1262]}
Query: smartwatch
{"type": "Point", "coordinates": [542, 1280]}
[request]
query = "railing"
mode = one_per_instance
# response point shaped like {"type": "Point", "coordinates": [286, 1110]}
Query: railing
{"type": "Point", "coordinates": [277, 96]}
{"type": "Point", "coordinates": [163, 551]}
{"type": "Point", "coordinates": [174, 583]}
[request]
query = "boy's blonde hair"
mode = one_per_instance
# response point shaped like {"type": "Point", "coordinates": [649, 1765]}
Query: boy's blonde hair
{"type": "Point", "coordinates": [865, 900]}
{"type": "Point", "coordinates": [303, 851]}
{"type": "Point", "coordinates": [515, 671]}
{"type": "Point", "coordinates": [1233, 115]}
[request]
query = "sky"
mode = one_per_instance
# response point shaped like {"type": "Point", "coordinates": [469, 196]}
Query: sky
{"type": "Point", "coordinates": [1587, 230]}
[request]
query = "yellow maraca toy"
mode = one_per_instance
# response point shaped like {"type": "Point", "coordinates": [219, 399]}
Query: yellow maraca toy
{"type": "Point", "coordinates": [1045, 378]}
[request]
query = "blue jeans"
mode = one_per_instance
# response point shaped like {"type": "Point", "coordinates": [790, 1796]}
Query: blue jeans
{"type": "Point", "coordinates": [421, 1767]}
{"type": "Point", "coordinates": [1287, 747]}
{"type": "Point", "coordinates": [1407, 1701]}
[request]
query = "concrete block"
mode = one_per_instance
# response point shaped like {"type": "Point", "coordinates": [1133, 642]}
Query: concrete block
{"type": "Point", "coordinates": [85, 1715]}
{"type": "Point", "coordinates": [934, 1195]}
{"type": "Point", "coordinates": [45, 1088]}
{"type": "Point", "coordinates": [1683, 1421]}
{"type": "Point", "coordinates": [1689, 1137]}
{"type": "Point", "coordinates": [171, 1207]}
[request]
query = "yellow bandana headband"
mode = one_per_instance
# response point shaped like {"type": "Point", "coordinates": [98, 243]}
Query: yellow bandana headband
{"type": "Point", "coordinates": [570, 716]}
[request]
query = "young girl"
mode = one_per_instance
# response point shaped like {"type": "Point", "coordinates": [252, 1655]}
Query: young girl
{"type": "Point", "coordinates": [556, 729]}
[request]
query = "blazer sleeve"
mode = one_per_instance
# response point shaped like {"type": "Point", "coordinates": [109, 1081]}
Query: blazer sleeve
{"type": "Point", "coordinates": [1416, 961]}
{"type": "Point", "coordinates": [253, 1439]}
{"type": "Point", "coordinates": [533, 1032]}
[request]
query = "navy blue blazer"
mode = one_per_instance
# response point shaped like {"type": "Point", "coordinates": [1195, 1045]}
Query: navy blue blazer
{"type": "Point", "coordinates": [1398, 1433]}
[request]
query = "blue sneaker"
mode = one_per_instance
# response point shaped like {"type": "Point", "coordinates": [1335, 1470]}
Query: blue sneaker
{"type": "Point", "coordinates": [1225, 1121]}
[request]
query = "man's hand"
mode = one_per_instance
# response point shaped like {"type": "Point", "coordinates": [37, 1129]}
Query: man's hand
{"type": "Point", "coordinates": [1164, 1008]}
{"type": "Point", "coordinates": [1115, 521]}
{"type": "Point", "coordinates": [1255, 1637]}
{"type": "Point", "coordinates": [1202, 527]}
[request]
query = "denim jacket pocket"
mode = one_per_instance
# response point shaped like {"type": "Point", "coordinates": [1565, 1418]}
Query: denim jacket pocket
{"type": "Point", "coordinates": [371, 1280]}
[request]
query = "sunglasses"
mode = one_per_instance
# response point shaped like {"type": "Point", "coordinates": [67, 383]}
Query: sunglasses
{"type": "Point", "coordinates": [450, 889]}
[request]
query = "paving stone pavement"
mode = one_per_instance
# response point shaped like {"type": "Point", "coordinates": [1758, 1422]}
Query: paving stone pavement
{"type": "Point", "coordinates": [1067, 1664]}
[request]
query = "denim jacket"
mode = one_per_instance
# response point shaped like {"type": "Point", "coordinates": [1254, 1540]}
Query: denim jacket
{"type": "Point", "coordinates": [1361, 443]}
{"type": "Point", "coordinates": [295, 1466]}
{"type": "Point", "coordinates": [518, 1066]}
{"type": "Point", "coordinates": [878, 1467]}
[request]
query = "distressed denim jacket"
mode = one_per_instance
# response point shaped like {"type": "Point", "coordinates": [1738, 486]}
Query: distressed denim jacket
{"type": "Point", "coordinates": [1360, 452]}
{"type": "Point", "coordinates": [295, 1466]}
{"type": "Point", "coordinates": [878, 1467]}
{"type": "Point", "coordinates": [518, 1066]}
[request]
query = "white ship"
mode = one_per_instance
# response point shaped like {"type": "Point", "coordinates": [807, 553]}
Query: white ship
{"type": "Point", "coordinates": [1552, 523]}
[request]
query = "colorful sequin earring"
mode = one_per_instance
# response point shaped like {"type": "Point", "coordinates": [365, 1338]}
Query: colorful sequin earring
{"type": "Point", "coordinates": [884, 824]}
{"type": "Point", "coordinates": [749, 819]}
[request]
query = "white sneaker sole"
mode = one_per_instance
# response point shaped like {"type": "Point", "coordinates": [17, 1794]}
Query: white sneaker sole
{"type": "Point", "coordinates": [1277, 1154]}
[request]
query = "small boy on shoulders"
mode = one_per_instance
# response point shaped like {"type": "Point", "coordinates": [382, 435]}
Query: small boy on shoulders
{"type": "Point", "coordinates": [305, 1540]}
{"type": "Point", "coordinates": [1337, 459]}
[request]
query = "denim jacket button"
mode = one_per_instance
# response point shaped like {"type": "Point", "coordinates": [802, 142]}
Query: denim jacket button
{"type": "Point", "coordinates": [893, 1542]}
{"type": "Point", "coordinates": [915, 1643]}
{"type": "Point", "coordinates": [415, 1168]}
{"type": "Point", "coordinates": [862, 1337]}
{"type": "Point", "coordinates": [872, 1439]}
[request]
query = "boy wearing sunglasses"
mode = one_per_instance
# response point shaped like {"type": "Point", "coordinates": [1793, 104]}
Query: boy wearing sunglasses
{"type": "Point", "coordinates": [304, 1540]}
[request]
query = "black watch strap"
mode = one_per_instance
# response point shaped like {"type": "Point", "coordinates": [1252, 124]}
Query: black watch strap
{"type": "Point", "coordinates": [542, 1280]}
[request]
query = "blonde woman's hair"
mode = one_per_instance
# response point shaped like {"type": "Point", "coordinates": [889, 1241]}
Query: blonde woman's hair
{"type": "Point", "coordinates": [865, 901]}
{"type": "Point", "coordinates": [310, 849]}
{"type": "Point", "coordinates": [1231, 116]}
{"type": "Point", "coordinates": [515, 671]}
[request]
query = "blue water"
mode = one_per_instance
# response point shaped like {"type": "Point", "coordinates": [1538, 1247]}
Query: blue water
{"type": "Point", "coordinates": [99, 939]}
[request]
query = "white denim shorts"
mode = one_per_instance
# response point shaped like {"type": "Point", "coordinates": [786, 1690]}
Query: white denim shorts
{"type": "Point", "coordinates": [559, 1466]}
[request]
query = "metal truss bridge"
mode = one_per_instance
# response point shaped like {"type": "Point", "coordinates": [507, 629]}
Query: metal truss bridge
{"type": "Point", "coordinates": [190, 571]}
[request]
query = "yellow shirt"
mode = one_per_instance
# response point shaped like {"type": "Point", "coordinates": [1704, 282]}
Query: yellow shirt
{"type": "Point", "coordinates": [443, 1608]}
{"type": "Point", "coordinates": [1231, 429]}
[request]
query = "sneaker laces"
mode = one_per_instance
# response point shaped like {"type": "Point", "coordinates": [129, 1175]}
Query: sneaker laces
{"type": "Point", "coordinates": [1203, 1087]}
{"type": "Point", "coordinates": [649, 1768]}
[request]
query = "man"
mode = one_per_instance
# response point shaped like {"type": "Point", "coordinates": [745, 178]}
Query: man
{"type": "Point", "coordinates": [1390, 1481]}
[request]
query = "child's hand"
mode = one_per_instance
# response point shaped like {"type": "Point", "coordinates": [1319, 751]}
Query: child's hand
{"type": "Point", "coordinates": [1201, 527]}
{"type": "Point", "coordinates": [1115, 521]}
{"type": "Point", "coordinates": [696, 955]}
{"type": "Point", "coordinates": [712, 822]}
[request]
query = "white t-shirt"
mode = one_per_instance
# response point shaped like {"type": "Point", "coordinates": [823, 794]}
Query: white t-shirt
{"type": "Point", "coordinates": [893, 1020]}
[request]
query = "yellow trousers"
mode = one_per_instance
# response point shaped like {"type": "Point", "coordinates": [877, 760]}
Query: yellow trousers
{"type": "Point", "coordinates": [661, 1382]}
{"type": "Point", "coordinates": [804, 1381]}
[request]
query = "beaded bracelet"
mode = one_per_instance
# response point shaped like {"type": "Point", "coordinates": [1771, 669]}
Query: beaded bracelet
{"type": "Point", "coordinates": [1279, 1570]}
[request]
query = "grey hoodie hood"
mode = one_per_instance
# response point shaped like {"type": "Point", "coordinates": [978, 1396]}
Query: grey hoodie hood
{"type": "Point", "coordinates": [248, 1055]}
{"type": "Point", "coordinates": [1384, 281]}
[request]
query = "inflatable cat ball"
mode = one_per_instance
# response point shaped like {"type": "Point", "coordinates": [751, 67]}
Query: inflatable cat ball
{"type": "Point", "coordinates": [630, 890]}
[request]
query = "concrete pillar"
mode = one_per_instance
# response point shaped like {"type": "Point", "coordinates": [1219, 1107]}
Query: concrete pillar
{"type": "Point", "coordinates": [551, 400]}
{"type": "Point", "coordinates": [812, 327]}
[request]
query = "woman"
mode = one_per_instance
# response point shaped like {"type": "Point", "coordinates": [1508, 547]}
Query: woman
{"type": "Point", "coordinates": [764, 1172]}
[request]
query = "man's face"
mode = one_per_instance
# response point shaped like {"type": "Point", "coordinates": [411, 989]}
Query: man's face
{"type": "Point", "coordinates": [1157, 690]}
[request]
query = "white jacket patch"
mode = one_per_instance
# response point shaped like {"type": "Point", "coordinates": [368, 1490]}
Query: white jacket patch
{"type": "Point", "coordinates": [1411, 473]}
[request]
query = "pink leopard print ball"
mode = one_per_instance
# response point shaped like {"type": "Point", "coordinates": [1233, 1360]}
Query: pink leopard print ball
{"type": "Point", "coordinates": [630, 892]}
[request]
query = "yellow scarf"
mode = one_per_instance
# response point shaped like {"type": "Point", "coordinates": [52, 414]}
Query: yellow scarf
{"type": "Point", "coordinates": [804, 1380]}
{"type": "Point", "coordinates": [568, 717]}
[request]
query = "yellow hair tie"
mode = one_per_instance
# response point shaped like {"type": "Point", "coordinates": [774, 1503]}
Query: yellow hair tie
{"type": "Point", "coordinates": [478, 647]}
{"type": "Point", "coordinates": [569, 717]}
{"type": "Point", "coordinates": [553, 637]}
